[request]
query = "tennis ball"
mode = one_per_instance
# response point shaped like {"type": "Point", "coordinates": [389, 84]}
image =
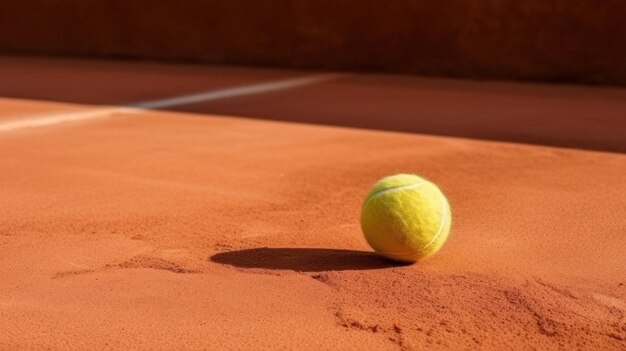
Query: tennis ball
{"type": "Point", "coordinates": [405, 217]}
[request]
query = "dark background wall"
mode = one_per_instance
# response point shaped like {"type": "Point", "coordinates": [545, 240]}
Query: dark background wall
{"type": "Point", "coordinates": [549, 40]}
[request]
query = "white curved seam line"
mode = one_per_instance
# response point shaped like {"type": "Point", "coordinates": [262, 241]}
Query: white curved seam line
{"type": "Point", "coordinates": [442, 224]}
{"type": "Point", "coordinates": [393, 189]}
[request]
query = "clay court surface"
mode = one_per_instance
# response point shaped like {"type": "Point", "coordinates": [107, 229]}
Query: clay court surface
{"type": "Point", "coordinates": [132, 221]}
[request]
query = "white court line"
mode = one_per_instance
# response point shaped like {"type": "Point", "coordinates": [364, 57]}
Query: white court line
{"type": "Point", "coordinates": [140, 107]}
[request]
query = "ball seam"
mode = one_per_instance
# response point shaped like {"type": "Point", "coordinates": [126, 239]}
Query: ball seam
{"type": "Point", "coordinates": [442, 225]}
{"type": "Point", "coordinates": [392, 189]}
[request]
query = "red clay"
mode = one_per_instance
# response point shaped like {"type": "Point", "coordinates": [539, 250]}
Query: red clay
{"type": "Point", "coordinates": [170, 230]}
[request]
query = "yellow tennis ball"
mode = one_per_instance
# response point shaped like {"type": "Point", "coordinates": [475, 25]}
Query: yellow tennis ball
{"type": "Point", "coordinates": [405, 217]}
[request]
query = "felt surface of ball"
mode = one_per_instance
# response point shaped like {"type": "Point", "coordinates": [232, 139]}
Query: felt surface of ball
{"type": "Point", "coordinates": [405, 217]}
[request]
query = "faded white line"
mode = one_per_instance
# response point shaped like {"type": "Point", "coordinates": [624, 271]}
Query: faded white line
{"type": "Point", "coordinates": [139, 107]}
{"type": "Point", "coordinates": [57, 118]}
